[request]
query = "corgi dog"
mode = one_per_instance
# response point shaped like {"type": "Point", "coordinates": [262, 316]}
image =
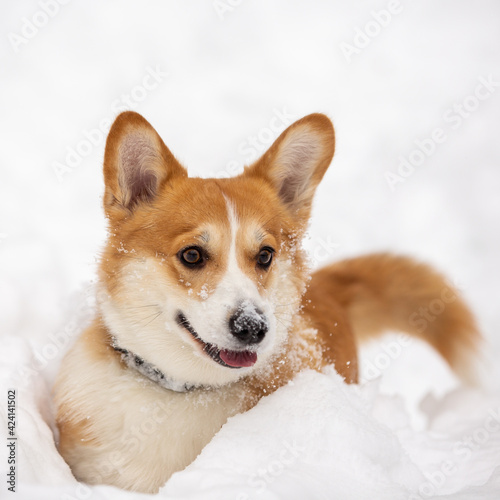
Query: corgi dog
{"type": "Point", "coordinates": [206, 304]}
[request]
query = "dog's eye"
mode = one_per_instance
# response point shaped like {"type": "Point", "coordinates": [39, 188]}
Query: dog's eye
{"type": "Point", "coordinates": [191, 256]}
{"type": "Point", "coordinates": [265, 257]}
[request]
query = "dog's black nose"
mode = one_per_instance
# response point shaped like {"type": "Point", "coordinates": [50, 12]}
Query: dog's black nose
{"type": "Point", "coordinates": [248, 324]}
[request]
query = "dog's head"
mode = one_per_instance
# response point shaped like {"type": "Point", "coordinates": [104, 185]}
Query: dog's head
{"type": "Point", "coordinates": [202, 277]}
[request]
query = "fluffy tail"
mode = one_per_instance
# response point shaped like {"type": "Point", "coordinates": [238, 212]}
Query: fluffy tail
{"type": "Point", "coordinates": [384, 292]}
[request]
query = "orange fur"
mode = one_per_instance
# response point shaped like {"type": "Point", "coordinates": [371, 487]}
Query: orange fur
{"type": "Point", "coordinates": [155, 211]}
{"type": "Point", "coordinates": [384, 292]}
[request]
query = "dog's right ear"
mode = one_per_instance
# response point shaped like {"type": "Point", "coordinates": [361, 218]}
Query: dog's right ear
{"type": "Point", "coordinates": [136, 164]}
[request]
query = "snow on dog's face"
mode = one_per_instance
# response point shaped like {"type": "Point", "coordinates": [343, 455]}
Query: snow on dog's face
{"type": "Point", "coordinates": [201, 277]}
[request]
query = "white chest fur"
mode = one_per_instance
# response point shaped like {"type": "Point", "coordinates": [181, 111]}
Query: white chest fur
{"type": "Point", "coordinates": [133, 433]}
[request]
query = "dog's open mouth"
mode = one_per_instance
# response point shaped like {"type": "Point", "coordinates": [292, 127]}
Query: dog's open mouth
{"type": "Point", "coordinates": [225, 357]}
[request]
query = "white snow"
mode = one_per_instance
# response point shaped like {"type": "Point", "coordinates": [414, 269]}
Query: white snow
{"type": "Point", "coordinates": [419, 100]}
{"type": "Point", "coordinates": [204, 292]}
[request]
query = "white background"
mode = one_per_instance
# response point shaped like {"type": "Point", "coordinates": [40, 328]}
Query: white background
{"type": "Point", "coordinates": [229, 72]}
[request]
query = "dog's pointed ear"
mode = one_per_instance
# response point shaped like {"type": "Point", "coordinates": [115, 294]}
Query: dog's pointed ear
{"type": "Point", "coordinates": [297, 161]}
{"type": "Point", "coordinates": [136, 164]}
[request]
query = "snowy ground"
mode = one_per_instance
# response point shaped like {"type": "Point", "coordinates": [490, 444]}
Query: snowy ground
{"type": "Point", "coordinates": [391, 75]}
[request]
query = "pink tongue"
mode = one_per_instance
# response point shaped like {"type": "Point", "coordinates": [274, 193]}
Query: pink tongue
{"type": "Point", "coordinates": [238, 358]}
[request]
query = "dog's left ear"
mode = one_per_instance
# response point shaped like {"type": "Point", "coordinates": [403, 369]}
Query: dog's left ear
{"type": "Point", "coordinates": [297, 161]}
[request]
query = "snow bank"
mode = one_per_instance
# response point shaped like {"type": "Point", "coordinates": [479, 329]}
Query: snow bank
{"type": "Point", "coordinates": [316, 438]}
{"type": "Point", "coordinates": [227, 82]}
